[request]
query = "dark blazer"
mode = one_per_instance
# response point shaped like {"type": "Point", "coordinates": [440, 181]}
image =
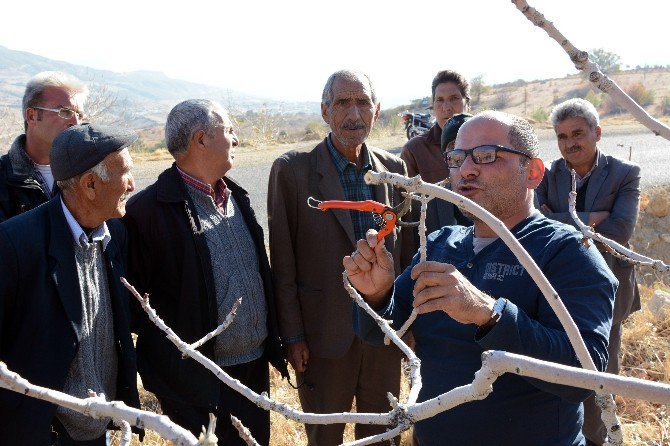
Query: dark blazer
{"type": "Point", "coordinates": [41, 316]}
{"type": "Point", "coordinates": [170, 260]}
{"type": "Point", "coordinates": [614, 186]}
{"type": "Point", "coordinates": [307, 246]}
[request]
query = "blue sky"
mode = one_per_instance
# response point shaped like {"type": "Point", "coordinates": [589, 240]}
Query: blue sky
{"type": "Point", "coordinates": [286, 50]}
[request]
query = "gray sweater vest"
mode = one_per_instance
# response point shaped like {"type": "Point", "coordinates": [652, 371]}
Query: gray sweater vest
{"type": "Point", "coordinates": [235, 269]}
{"type": "Point", "coordinates": [95, 364]}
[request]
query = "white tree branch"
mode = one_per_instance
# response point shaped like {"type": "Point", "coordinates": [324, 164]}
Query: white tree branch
{"type": "Point", "coordinates": [414, 362]}
{"type": "Point", "coordinates": [600, 80]}
{"type": "Point", "coordinates": [375, 439]}
{"type": "Point", "coordinates": [244, 432]}
{"type": "Point", "coordinates": [96, 407]}
{"type": "Point", "coordinates": [616, 249]}
{"type": "Point", "coordinates": [226, 322]}
{"type": "Point", "coordinates": [262, 401]}
{"type": "Point", "coordinates": [424, 199]}
{"type": "Point", "coordinates": [495, 363]}
{"type": "Point", "coordinates": [126, 433]}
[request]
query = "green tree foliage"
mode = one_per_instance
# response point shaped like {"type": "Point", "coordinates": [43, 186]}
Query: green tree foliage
{"type": "Point", "coordinates": [608, 62]}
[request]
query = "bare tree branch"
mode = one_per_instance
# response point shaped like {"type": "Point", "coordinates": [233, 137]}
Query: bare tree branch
{"type": "Point", "coordinates": [616, 249]}
{"type": "Point", "coordinates": [96, 407]}
{"type": "Point", "coordinates": [597, 77]}
{"type": "Point", "coordinates": [244, 432]}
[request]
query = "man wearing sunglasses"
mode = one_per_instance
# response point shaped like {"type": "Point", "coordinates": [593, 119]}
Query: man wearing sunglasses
{"type": "Point", "coordinates": [608, 197]}
{"type": "Point", "coordinates": [52, 102]}
{"type": "Point", "coordinates": [473, 295]}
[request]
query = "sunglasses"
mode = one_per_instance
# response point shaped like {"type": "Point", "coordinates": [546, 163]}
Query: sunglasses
{"type": "Point", "coordinates": [480, 155]}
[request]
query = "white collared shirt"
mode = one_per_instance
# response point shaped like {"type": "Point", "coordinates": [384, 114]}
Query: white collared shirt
{"type": "Point", "coordinates": [99, 234]}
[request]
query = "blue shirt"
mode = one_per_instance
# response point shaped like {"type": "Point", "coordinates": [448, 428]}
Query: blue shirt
{"type": "Point", "coordinates": [354, 186]}
{"type": "Point", "coordinates": [519, 411]}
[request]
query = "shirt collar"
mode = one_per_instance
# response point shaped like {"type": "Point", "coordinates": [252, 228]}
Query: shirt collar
{"type": "Point", "coordinates": [581, 180]}
{"type": "Point", "coordinates": [341, 162]}
{"type": "Point", "coordinates": [99, 234]}
{"type": "Point", "coordinates": [221, 188]}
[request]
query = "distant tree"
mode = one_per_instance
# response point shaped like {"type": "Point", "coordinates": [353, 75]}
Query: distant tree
{"type": "Point", "coordinates": [478, 88]}
{"type": "Point", "coordinates": [608, 62]}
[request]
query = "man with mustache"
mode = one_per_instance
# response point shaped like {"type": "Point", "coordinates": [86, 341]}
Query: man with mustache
{"type": "Point", "coordinates": [52, 102]}
{"type": "Point", "coordinates": [64, 315]}
{"type": "Point", "coordinates": [473, 295]}
{"type": "Point", "coordinates": [196, 247]}
{"type": "Point", "coordinates": [608, 198]}
{"type": "Point", "coordinates": [332, 366]}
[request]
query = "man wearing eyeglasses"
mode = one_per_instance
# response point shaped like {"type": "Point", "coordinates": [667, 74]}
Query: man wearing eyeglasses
{"type": "Point", "coordinates": [52, 102]}
{"type": "Point", "coordinates": [473, 295]}
{"type": "Point", "coordinates": [608, 197]}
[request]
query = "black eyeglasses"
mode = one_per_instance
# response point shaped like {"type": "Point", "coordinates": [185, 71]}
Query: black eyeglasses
{"type": "Point", "coordinates": [480, 155]}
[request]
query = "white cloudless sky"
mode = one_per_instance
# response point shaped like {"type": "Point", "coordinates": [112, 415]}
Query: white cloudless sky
{"type": "Point", "coordinates": [286, 50]}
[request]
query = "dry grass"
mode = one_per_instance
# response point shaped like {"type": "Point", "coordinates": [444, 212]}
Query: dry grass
{"type": "Point", "coordinates": [645, 354]}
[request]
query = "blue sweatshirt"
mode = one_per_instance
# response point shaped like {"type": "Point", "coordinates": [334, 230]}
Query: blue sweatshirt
{"type": "Point", "coordinates": [519, 411]}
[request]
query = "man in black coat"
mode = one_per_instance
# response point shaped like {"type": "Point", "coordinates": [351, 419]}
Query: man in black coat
{"type": "Point", "coordinates": [196, 247]}
{"type": "Point", "coordinates": [64, 316]}
{"type": "Point", "coordinates": [52, 102]}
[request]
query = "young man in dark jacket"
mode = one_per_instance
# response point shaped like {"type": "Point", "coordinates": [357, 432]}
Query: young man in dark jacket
{"type": "Point", "coordinates": [196, 247]}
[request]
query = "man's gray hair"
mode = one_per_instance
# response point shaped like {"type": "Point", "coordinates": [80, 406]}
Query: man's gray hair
{"type": "Point", "coordinates": [350, 75]}
{"type": "Point", "coordinates": [521, 134]}
{"type": "Point", "coordinates": [57, 79]}
{"type": "Point", "coordinates": [99, 169]}
{"type": "Point", "coordinates": [188, 117]}
{"type": "Point", "coordinates": [575, 108]}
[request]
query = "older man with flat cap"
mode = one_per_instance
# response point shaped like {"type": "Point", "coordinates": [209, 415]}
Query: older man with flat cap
{"type": "Point", "coordinates": [64, 318]}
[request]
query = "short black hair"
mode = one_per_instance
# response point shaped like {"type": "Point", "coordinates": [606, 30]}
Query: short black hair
{"type": "Point", "coordinates": [455, 77]}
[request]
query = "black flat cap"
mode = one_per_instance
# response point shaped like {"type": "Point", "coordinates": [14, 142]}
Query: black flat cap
{"type": "Point", "coordinates": [80, 147]}
{"type": "Point", "coordinates": [450, 129]}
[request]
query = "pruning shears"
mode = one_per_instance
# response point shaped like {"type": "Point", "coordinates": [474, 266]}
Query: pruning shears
{"type": "Point", "coordinates": [386, 217]}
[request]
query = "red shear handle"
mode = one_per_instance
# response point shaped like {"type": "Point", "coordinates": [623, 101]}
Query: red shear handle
{"type": "Point", "coordinates": [365, 206]}
{"type": "Point", "coordinates": [389, 218]}
{"type": "Point", "coordinates": [387, 214]}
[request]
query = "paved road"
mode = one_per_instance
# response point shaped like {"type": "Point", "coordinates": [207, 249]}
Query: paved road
{"type": "Point", "coordinates": [651, 152]}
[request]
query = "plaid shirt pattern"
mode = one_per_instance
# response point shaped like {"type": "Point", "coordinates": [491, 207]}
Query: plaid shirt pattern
{"type": "Point", "coordinates": [219, 195]}
{"type": "Point", "coordinates": [354, 186]}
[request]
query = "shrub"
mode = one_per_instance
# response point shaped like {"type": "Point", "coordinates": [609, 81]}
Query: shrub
{"type": "Point", "coordinates": [594, 98]}
{"type": "Point", "coordinates": [539, 115]}
{"type": "Point", "coordinates": [641, 94]}
{"type": "Point", "coordinates": [315, 130]}
{"type": "Point", "coordinates": [665, 106]}
{"type": "Point", "coordinates": [501, 100]}
{"type": "Point", "coordinates": [638, 92]}
{"type": "Point", "coordinates": [578, 92]}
